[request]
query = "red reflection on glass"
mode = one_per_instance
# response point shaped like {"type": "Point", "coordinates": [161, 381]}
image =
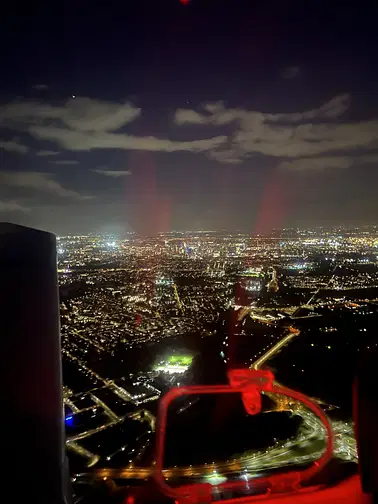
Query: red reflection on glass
{"type": "Point", "coordinates": [249, 383]}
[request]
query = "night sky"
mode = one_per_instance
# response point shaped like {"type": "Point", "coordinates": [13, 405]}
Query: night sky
{"type": "Point", "coordinates": [153, 115]}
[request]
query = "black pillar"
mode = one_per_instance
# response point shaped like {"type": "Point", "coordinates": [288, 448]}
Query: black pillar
{"type": "Point", "coordinates": [365, 416]}
{"type": "Point", "coordinates": [31, 403]}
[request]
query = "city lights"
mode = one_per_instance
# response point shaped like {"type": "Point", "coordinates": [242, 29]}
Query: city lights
{"type": "Point", "coordinates": [151, 291]}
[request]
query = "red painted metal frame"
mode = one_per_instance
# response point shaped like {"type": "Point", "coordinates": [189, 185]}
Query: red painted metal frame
{"type": "Point", "coordinates": [250, 384]}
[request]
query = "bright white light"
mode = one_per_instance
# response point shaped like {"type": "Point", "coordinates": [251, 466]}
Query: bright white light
{"type": "Point", "coordinates": [111, 244]}
{"type": "Point", "coordinates": [215, 479]}
{"type": "Point", "coordinates": [172, 368]}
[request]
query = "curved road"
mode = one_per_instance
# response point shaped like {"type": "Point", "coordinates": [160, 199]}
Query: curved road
{"type": "Point", "coordinates": [306, 447]}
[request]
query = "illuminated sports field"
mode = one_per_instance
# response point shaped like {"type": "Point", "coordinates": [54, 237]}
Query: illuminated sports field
{"type": "Point", "coordinates": [174, 364]}
{"type": "Point", "coordinates": [180, 360]}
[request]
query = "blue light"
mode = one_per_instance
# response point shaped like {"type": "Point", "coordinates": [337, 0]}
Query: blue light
{"type": "Point", "coordinates": [69, 420]}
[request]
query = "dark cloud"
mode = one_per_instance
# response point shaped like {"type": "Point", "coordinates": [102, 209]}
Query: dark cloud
{"type": "Point", "coordinates": [65, 162]}
{"type": "Point", "coordinates": [87, 124]}
{"type": "Point", "coordinates": [313, 132]}
{"type": "Point", "coordinates": [86, 141]}
{"type": "Point", "coordinates": [41, 182]}
{"type": "Point", "coordinates": [45, 153]}
{"type": "Point", "coordinates": [112, 173]}
{"type": "Point", "coordinates": [13, 146]}
{"type": "Point", "coordinates": [324, 163]}
{"type": "Point", "coordinates": [12, 206]}
{"type": "Point", "coordinates": [80, 114]}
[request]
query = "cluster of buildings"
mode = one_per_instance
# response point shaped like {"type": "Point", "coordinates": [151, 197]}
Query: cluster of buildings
{"type": "Point", "coordinates": [120, 296]}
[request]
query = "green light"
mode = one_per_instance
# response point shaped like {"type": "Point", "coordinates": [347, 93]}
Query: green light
{"type": "Point", "coordinates": [180, 360]}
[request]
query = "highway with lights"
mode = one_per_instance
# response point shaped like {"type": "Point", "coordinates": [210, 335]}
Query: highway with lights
{"type": "Point", "coordinates": [306, 447]}
{"type": "Point", "coordinates": [292, 333]}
